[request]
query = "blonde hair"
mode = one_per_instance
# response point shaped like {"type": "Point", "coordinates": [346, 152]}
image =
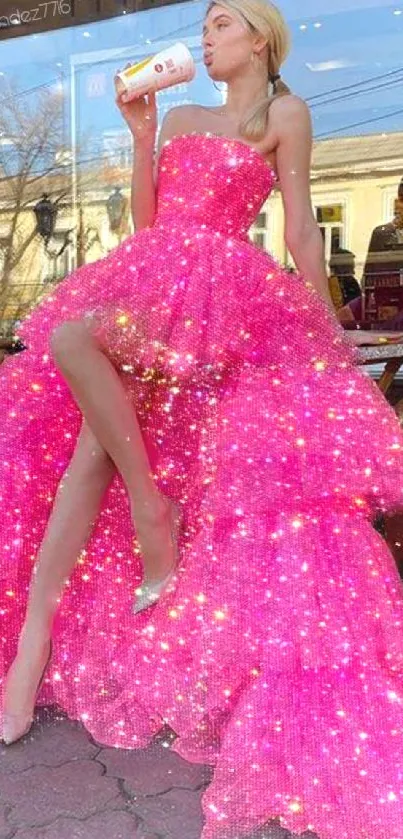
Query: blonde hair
{"type": "Point", "coordinates": [266, 19]}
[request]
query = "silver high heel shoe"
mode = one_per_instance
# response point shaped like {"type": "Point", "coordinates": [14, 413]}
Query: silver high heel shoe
{"type": "Point", "coordinates": [149, 593]}
{"type": "Point", "coordinates": [16, 726]}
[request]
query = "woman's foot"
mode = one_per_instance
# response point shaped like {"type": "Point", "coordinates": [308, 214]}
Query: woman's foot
{"type": "Point", "coordinates": [158, 541]}
{"type": "Point", "coordinates": [24, 680]}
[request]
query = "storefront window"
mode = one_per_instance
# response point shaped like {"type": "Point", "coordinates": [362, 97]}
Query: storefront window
{"type": "Point", "coordinates": [60, 131]}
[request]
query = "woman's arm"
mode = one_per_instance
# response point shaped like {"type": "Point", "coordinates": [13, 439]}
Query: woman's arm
{"type": "Point", "coordinates": [291, 124]}
{"type": "Point", "coordinates": [144, 174]}
{"type": "Point", "coordinates": [143, 196]}
{"type": "Point", "coordinates": [141, 118]}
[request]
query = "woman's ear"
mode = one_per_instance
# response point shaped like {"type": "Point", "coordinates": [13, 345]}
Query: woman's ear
{"type": "Point", "coordinates": [260, 43]}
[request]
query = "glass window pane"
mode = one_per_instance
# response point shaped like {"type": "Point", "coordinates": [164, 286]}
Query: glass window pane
{"type": "Point", "coordinates": [259, 239]}
{"type": "Point", "coordinates": [261, 220]}
{"type": "Point", "coordinates": [336, 240]}
{"type": "Point", "coordinates": [329, 214]}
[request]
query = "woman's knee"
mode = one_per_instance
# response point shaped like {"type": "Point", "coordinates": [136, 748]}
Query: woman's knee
{"type": "Point", "coordinates": [93, 457]}
{"type": "Point", "coordinates": [69, 340]}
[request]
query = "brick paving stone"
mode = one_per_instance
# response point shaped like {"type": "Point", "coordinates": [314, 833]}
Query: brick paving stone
{"type": "Point", "coordinates": [41, 794]}
{"type": "Point", "coordinates": [52, 744]}
{"type": "Point", "coordinates": [5, 828]}
{"type": "Point", "coordinates": [109, 825]}
{"type": "Point", "coordinates": [175, 815]}
{"type": "Point", "coordinates": [153, 770]}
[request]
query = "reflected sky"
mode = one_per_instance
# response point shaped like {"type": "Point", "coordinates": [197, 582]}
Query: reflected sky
{"type": "Point", "coordinates": [348, 62]}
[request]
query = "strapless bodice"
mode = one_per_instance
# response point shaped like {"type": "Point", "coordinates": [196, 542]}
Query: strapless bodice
{"type": "Point", "coordinates": [212, 182]}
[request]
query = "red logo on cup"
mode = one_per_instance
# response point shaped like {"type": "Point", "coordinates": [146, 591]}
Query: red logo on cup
{"type": "Point", "coordinates": [159, 68]}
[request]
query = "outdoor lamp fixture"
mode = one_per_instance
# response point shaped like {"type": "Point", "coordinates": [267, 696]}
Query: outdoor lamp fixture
{"type": "Point", "coordinates": [45, 214]}
{"type": "Point", "coordinates": [115, 207]}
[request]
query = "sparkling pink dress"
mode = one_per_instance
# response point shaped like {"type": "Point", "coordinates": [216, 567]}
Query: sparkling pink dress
{"type": "Point", "coordinates": [279, 655]}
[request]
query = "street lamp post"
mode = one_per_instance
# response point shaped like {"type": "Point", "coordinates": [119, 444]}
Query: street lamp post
{"type": "Point", "coordinates": [116, 207]}
{"type": "Point", "coordinates": [45, 214]}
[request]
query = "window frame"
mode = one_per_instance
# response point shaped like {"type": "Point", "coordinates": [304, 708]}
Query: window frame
{"type": "Point", "coordinates": [328, 199]}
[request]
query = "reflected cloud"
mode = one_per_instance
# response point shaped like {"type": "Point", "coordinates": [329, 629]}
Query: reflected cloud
{"type": "Point", "coordinates": [335, 64]}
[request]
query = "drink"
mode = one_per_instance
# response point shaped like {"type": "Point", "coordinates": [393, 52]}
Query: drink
{"type": "Point", "coordinates": [169, 67]}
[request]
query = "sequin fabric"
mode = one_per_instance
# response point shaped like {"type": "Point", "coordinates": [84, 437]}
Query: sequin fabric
{"type": "Point", "coordinates": [279, 655]}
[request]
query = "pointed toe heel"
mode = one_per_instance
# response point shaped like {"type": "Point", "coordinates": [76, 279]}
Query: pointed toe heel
{"type": "Point", "coordinates": [16, 726]}
{"type": "Point", "coordinates": [149, 593]}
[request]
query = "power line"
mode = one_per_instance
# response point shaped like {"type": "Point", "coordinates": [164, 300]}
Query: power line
{"type": "Point", "coordinates": [29, 90]}
{"type": "Point", "coordinates": [345, 88]}
{"type": "Point", "coordinates": [354, 94]}
{"type": "Point", "coordinates": [359, 124]}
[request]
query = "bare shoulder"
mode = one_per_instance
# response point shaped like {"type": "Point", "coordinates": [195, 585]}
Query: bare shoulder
{"type": "Point", "coordinates": [180, 120]}
{"type": "Point", "coordinates": [290, 112]}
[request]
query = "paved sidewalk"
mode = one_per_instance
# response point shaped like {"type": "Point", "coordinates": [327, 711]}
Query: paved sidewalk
{"type": "Point", "coordinates": [58, 784]}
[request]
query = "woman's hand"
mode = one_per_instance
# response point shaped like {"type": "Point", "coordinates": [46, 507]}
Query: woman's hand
{"type": "Point", "coordinates": [140, 115]}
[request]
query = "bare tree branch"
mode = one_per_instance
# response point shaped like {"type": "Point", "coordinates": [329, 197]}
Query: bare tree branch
{"type": "Point", "coordinates": [31, 133]}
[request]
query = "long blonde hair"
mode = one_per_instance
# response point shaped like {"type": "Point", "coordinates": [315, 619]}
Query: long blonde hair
{"type": "Point", "coordinates": [266, 19]}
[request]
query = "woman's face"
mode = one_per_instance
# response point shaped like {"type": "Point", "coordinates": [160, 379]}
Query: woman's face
{"type": "Point", "coordinates": [227, 44]}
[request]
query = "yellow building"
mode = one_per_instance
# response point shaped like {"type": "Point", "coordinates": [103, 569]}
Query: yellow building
{"type": "Point", "coordinates": [354, 186]}
{"type": "Point", "coordinates": [29, 265]}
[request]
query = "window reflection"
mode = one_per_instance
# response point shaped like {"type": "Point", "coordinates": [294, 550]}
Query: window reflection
{"type": "Point", "coordinates": [56, 87]}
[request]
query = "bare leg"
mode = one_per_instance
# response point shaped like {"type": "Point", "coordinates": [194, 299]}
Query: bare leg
{"type": "Point", "coordinates": [101, 397]}
{"type": "Point", "coordinates": [74, 513]}
{"type": "Point", "coordinates": [77, 501]}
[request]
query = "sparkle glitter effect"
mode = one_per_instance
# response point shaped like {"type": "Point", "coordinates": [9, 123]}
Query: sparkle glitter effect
{"type": "Point", "coordinates": [279, 655]}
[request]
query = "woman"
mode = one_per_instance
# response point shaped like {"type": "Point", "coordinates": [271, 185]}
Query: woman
{"type": "Point", "coordinates": [211, 380]}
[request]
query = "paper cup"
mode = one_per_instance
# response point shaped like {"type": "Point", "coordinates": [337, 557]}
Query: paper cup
{"type": "Point", "coordinates": [172, 66]}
